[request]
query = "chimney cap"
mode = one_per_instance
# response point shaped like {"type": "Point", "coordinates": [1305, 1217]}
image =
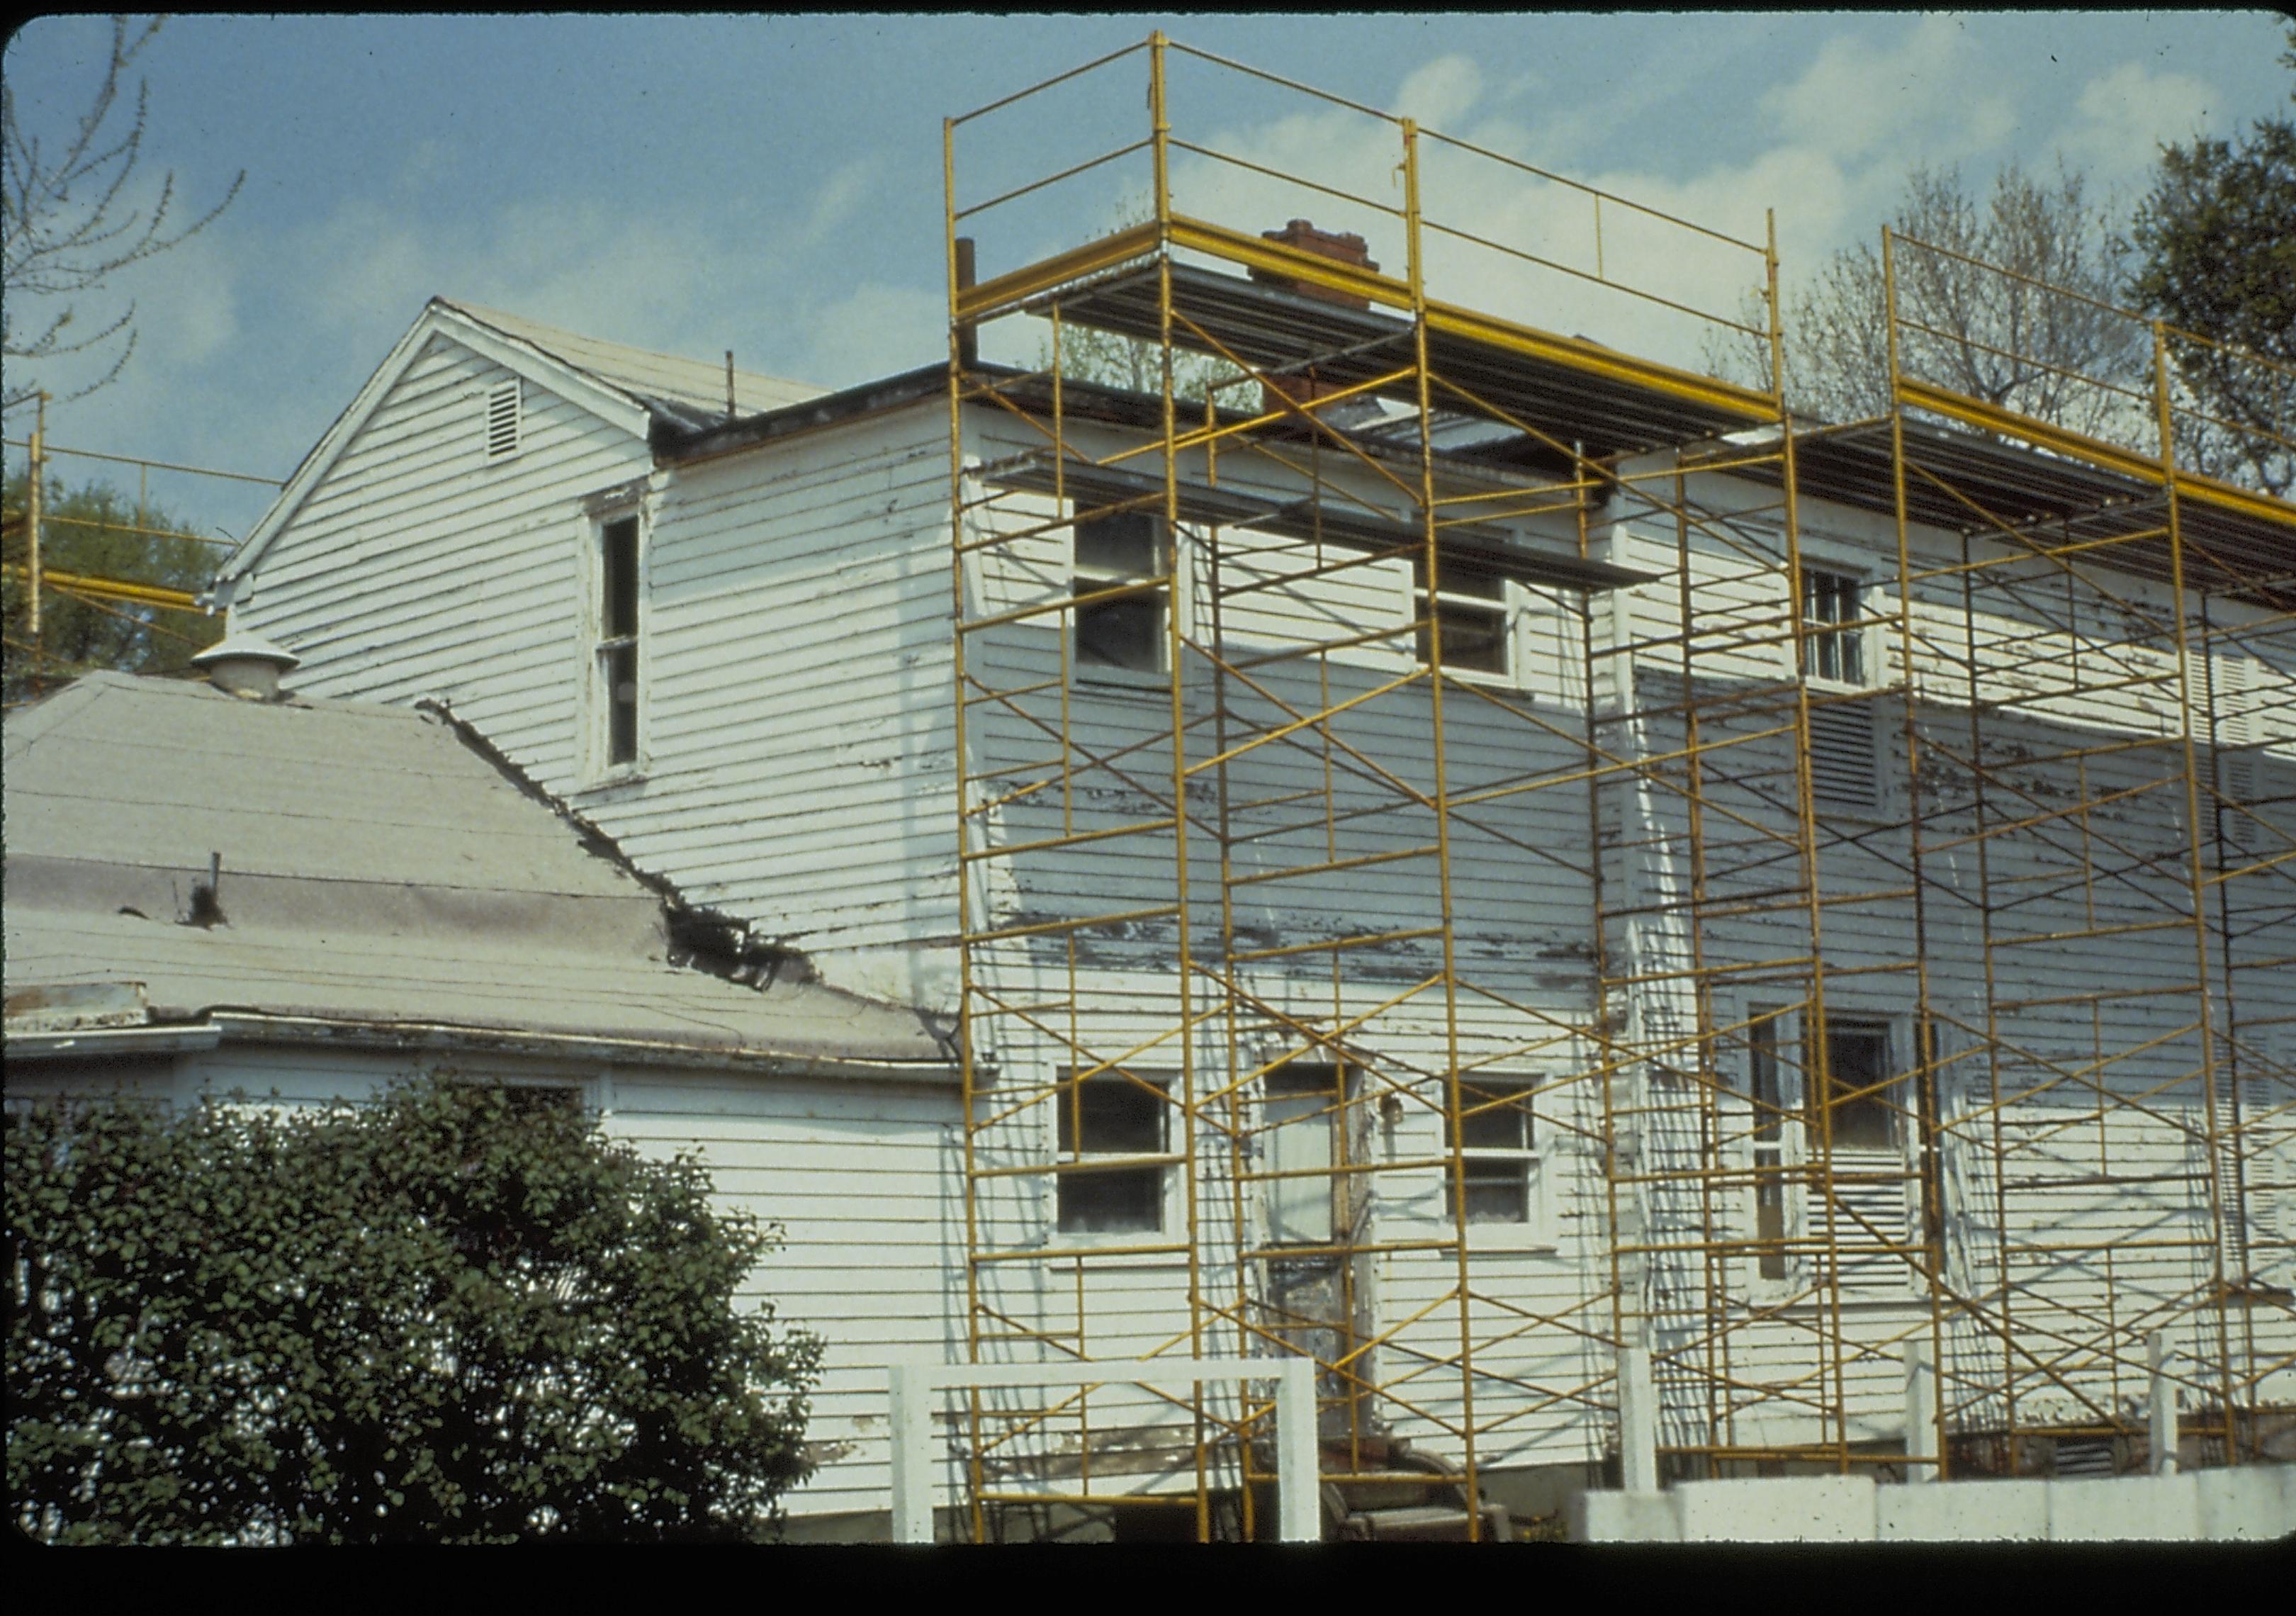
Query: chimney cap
{"type": "Point", "coordinates": [246, 665]}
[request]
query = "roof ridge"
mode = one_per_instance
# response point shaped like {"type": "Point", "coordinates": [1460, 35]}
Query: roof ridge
{"type": "Point", "coordinates": [528, 329]}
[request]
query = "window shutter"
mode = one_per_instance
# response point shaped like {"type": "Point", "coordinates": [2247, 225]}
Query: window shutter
{"type": "Point", "coordinates": [504, 406]}
{"type": "Point", "coordinates": [1844, 771]}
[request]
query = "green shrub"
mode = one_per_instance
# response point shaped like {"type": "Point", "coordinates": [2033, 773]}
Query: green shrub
{"type": "Point", "coordinates": [447, 1316]}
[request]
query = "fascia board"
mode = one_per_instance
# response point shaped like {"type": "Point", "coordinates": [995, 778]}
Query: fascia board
{"type": "Point", "coordinates": [100, 1042]}
{"type": "Point", "coordinates": [431, 1036]}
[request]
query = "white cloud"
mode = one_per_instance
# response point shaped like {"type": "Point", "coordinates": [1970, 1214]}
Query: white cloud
{"type": "Point", "coordinates": [1441, 93]}
{"type": "Point", "coordinates": [2125, 116]}
{"type": "Point", "coordinates": [1857, 94]}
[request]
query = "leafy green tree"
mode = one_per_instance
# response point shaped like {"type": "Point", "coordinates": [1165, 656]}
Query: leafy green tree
{"type": "Point", "coordinates": [449, 1316]}
{"type": "Point", "coordinates": [2216, 246]}
{"type": "Point", "coordinates": [95, 531]}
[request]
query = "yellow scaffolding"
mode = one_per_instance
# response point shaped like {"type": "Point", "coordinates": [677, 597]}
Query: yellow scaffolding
{"type": "Point", "coordinates": [2145, 589]}
{"type": "Point", "coordinates": [132, 599]}
{"type": "Point", "coordinates": [1277, 932]}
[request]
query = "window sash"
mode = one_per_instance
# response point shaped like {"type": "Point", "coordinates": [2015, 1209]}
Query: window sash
{"type": "Point", "coordinates": [615, 649]}
{"type": "Point", "coordinates": [1108, 552]}
{"type": "Point", "coordinates": [1859, 1055]}
{"type": "Point", "coordinates": [1474, 614]}
{"type": "Point", "coordinates": [1497, 1140]}
{"type": "Point", "coordinates": [1835, 601]}
{"type": "Point", "coordinates": [1105, 1124]}
{"type": "Point", "coordinates": [1765, 1092]}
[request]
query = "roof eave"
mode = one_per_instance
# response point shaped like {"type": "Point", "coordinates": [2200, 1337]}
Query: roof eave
{"type": "Point", "coordinates": [217, 1027]}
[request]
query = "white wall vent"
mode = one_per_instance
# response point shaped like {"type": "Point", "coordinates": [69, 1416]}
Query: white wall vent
{"type": "Point", "coordinates": [504, 406]}
{"type": "Point", "coordinates": [1844, 765]}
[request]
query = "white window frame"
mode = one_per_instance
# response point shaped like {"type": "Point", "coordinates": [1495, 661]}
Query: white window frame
{"type": "Point", "coordinates": [1162, 1162]}
{"type": "Point", "coordinates": [1506, 607]}
{"type": "Point", "coordinates": [597, 646]}
{"type": "Point", "coordinates": [1861, 632]}
{"type": "Point", "coordinates": [1085, 579]}
{"type": "Point", "coordinates": [1789, 1149]}
{"type": "Point", "coordinates": [1536, 1231]}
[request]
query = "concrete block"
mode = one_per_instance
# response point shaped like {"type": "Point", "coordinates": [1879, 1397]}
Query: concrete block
{"type": "Point", "coordinates": [1779, 1509]}
{"type": "Point", "coordinates": [1624, 1517]}
{"type": "Point", "coordinates": [1963, 1512]}
{"type": "Point", "coordinates": [2256, 1503]}
{"type": "Point", "coordinates": [2125, 1509]}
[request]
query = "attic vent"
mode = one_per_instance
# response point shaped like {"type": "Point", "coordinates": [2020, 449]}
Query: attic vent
{"type": "Point", "coordinates": [1843, 771]}
{"type": "Point", "coordinates": [503, 413]}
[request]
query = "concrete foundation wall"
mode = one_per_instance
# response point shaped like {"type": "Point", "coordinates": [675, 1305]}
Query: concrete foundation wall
{"type": "Point", "coordinates": [2255, 1503]}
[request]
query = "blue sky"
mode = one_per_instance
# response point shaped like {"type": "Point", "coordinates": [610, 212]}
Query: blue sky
{"type": "Point", "coordinates": [773, 185]}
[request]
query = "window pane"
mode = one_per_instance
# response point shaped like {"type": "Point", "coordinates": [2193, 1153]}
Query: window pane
{"type": "Point", "coordinates": [619, 598]}
{"type": "Point", "coordinates": [1858, 1057]}
{"type": "Point", "coordinates": [1506, 1126]}
{"type": "Point", "coordinates": [621, 704]}
{"type": "Point", "coordinates": [1459, 579]}
{"type": "Point", "coordinates": [1125, 1201]}
{"type": "Point", "coordinates": [1303, 1117]}
{"type": "Point", "coordinates": [1118, 1118]}
{"type": "Point", "coordinates": [1498, 1192]}
{"type": "Point", "coordinates": [1770, 1226]}
{"type": "Point", "coordinates": [1123, 545]}
{"type": "Point", "coordinates": [1473, 639]}
{"type": "Point", "coordinates": [1833, 597]}
{"type": "Point", "coordinates": [1128, 632]}
{"type": "Point", "coordinates": [1763, 1070]}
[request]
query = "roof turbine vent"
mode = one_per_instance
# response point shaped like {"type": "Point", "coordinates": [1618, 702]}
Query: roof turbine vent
{"type": "Point", "coordinates": [246, 665]}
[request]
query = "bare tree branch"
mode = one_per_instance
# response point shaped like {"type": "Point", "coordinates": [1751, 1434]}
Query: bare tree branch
{"type": "Point", "coordinates": [67, 223]}
{"type": "Point", "coordinates": [2031, 340]}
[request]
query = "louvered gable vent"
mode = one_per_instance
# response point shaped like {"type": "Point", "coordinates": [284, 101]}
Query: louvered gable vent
{"type": "Point", "coordinates": [505, 403]}
{"type": "Point", "coordinates": [1843, 770]}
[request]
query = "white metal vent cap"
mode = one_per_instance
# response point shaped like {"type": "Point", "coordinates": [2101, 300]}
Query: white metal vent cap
{"type": "Point", "coordinates": [246, 665]}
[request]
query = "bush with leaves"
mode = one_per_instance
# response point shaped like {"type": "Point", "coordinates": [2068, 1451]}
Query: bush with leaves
{"type": "Point", "coordinates": [449, 1316]}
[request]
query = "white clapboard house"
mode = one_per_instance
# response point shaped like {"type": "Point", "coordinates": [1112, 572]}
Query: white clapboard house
{"type": "Point", "coordinates": [1458, 1046]}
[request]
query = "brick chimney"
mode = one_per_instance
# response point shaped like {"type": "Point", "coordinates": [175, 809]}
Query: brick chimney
{"type": "Point", "coordinates": [1304, 237]}
{"type": "Point", "coordinates": [1345, 249]}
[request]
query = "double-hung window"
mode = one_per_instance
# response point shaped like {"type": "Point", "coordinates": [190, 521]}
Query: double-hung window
{"type": "Point", "coordinates": [1470, 608]}
{"type": "Point", "coordinates": [614, 653]}
{"type": "Point", "coordinates": [1112, 1131]}
{"type": "Point", "coordinates": [1833, 636]}
{"type": "Point", "coordinates": [1128, 551]}
{"type": "Point", "coordinates": [1495, 1142]}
